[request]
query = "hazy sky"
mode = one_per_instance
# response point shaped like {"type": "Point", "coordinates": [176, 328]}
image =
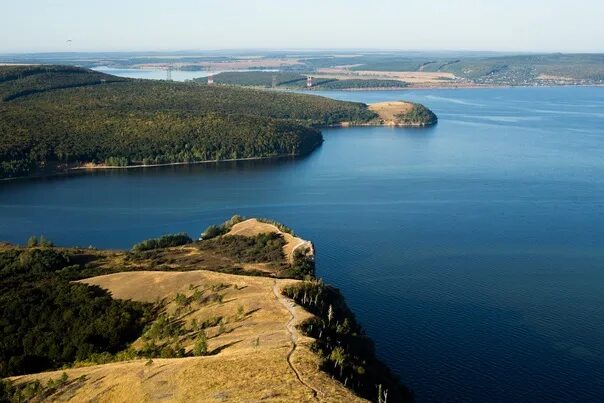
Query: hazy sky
{"type": "Point", "coordinates": [507, 25]}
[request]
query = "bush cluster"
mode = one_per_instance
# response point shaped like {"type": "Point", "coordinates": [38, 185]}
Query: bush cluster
{"type": "Point", "coordinates": [164, 241]}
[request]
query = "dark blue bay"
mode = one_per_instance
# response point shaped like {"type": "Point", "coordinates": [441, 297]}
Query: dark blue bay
{"type": "Point", "coordinates": [472, 252]}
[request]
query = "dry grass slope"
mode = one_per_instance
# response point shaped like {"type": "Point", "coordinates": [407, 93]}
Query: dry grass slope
{"type": "Point", "coordinates": [388, 111]}
{"type": "Point", "coordinates": [256, 353]}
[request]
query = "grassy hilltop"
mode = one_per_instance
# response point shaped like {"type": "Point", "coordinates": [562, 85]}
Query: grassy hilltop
{"type": "Point", "coordinates": [238, 315]}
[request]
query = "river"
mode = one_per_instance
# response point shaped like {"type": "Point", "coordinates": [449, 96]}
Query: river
{"type": "Point", "coordinates": [472, 252]}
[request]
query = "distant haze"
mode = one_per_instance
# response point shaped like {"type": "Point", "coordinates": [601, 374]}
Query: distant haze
{"type": "Point", "coordinates": [126, 25]}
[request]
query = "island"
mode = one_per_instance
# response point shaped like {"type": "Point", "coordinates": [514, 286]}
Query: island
{"type": "Point", "coordinates": [237, 315]}
{"type": "Point", "coordinates": [59, 118]}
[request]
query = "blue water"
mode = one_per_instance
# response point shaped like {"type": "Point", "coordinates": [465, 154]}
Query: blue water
{"type": "Point", "coordinates": [152, 74]}
{"type": "Point", "coordinates": [472, 252]}
{"type": "Point", "coordinates": [160, 74]}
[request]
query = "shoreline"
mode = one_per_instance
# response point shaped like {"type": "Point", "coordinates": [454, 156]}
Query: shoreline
{"type": "Point", "coordinates": [94, 167]}
{"type": "Point", "coordinates": [89, 166]}
{"type": "Point", "coordinates": [83, 168]}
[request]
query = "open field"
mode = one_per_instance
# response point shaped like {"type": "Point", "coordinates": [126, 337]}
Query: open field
{"type": "Point", "coordinates": [414, 79]}
{"type": "Point", "coordinates": [389, 110]}
{"type": "Point", "coordinates": [401, 114]}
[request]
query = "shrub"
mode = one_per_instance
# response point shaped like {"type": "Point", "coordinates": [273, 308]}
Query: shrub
{"type": "Point", "coordinates": [214, 231]}
{"type": "Point", "coordinates": [32, 242]}
{"type": "Point", "coordinates": [303, 264]}
{"type": "Point", "coordinates": [210, 322]}
{"type": "Point", "coordinates": [165, 241]}
{"type": "Point", "coordinates": [45, 243]}
{"type": "Point", "coordinates": [263, 248]}
{"type": "Point", "coordinates": [181, 299]}
{"type": "Point", "coordinates": [201, 344]}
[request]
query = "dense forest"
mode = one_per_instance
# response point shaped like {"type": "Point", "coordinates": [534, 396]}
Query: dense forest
{"type": "Point", "coordinates": [46, 321]}
{"type": "Point", "coordinates": [56, 116]}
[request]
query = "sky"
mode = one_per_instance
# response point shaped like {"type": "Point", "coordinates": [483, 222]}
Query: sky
{"type": "Point", "coordinates": [153, 25]}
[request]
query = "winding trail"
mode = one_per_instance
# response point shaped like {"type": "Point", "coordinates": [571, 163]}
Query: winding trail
{"type": "Point", "coordinates": [293, 333]}
{"type": "Point", "coordinates": [301, 242]}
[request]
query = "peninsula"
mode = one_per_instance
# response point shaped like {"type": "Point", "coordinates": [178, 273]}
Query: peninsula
{"type": "Point", "coordinates": [238, 315]}
{"type": "Point", "coordinates": [56, 118]}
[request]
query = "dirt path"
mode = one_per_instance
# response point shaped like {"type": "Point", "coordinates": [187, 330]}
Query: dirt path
{"type": "Point", "coordinates": [293, 333]}
{"type": "Point", "coordinates": [301, 242]}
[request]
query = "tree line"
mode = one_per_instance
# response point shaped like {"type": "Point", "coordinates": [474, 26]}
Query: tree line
{"type": "Point", "coordinates": [347, 353]}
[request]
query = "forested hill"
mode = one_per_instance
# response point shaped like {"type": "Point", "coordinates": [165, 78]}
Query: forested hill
{"type": "Point", "coordinates": [54, 117]}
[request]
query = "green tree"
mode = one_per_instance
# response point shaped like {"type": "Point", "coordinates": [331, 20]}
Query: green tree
{"type": "Point", "coordinates": [201, 344]}
{"type": "Point", "coordinates": [338, 357]}
{"type": "Point", "coordinates": [181, 299]}
{"type": "Point", "coordinates": [45, 243]}
{"type": "Point", "coordinates": [32, 242]}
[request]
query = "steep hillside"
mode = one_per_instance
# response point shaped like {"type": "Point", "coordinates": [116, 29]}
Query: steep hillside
{"type": "Point", "coordinates": [170, 321]}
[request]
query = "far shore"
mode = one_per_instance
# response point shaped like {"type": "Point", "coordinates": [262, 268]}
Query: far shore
{"type": "Point", "coordinates": [452, 87]}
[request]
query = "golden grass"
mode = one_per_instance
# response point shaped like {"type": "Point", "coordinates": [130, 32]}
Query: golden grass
{"type": "Point", "coordinates": [251, 360]}
{"type": "Point", "coordinates": [417, 78]}
{"type": "Point", "coordinates": [554, 78]}
{"type": "Point", "coordinates": [388, 111]}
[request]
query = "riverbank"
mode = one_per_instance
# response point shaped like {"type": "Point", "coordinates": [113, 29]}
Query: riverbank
{"type": "Point", "coordinates": [83, 168]}
{"type": "Point", "coordinates": [89, 166]}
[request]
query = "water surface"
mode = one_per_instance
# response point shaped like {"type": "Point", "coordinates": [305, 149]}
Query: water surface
{"type": "Point", "coordinates": [159, 74]}
{"type": "Point", "coordinates": [472, 252]}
